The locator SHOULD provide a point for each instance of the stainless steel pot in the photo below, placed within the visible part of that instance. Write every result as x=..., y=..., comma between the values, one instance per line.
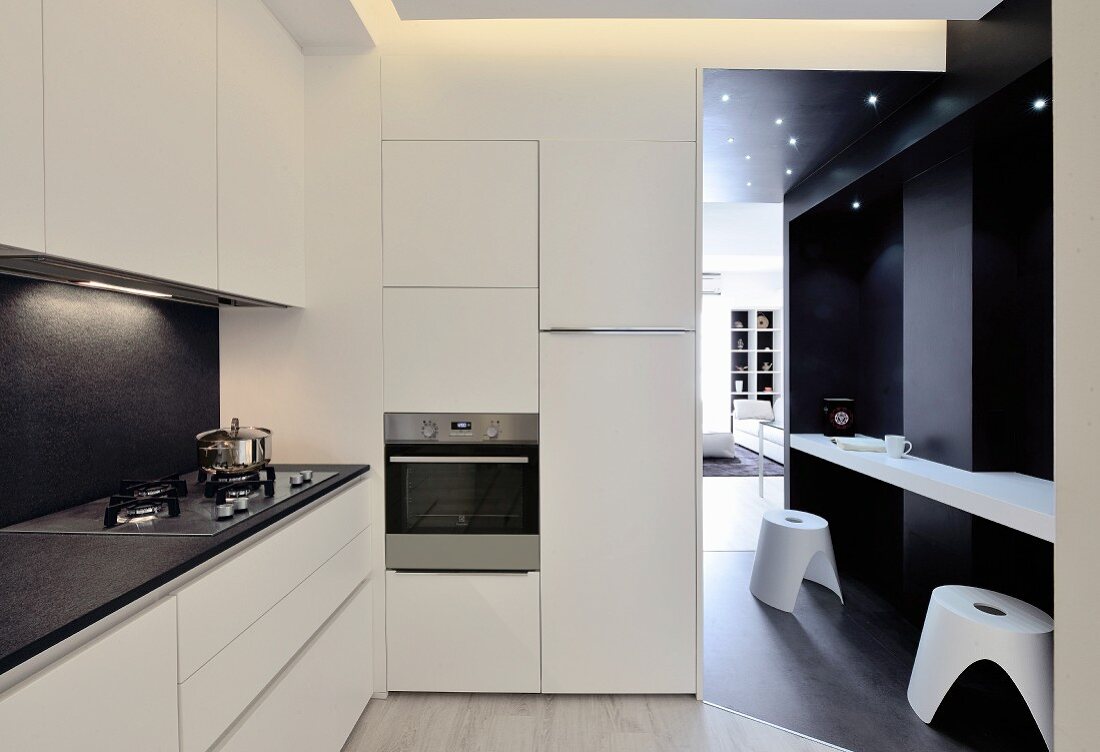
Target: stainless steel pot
x=234, y=449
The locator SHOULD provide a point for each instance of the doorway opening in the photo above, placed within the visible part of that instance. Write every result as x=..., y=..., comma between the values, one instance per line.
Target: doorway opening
x=832, y=670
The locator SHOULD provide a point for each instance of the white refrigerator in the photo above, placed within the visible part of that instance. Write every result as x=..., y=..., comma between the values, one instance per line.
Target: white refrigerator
x=618, y=407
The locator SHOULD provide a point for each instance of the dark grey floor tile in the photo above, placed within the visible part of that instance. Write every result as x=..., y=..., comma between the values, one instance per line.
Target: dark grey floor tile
x=839, y=673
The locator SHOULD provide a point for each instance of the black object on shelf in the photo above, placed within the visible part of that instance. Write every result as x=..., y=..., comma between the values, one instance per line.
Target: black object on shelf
x=840, y=418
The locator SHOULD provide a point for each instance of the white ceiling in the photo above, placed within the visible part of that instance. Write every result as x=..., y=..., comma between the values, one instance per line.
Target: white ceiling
x=808, y=9
x=321, y=26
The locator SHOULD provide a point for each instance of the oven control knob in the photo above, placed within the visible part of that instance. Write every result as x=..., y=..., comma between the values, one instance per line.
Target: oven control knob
x=429, y=429
x=492, y=431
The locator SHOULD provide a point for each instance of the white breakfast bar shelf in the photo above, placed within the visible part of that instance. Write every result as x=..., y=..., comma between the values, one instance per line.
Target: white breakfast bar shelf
x=1020, y=502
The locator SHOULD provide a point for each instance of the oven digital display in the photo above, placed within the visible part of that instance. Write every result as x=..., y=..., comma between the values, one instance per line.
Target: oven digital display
x=462, y=425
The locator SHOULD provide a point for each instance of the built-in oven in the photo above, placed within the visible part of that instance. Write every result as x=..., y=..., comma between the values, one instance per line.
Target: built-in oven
x=462, y=492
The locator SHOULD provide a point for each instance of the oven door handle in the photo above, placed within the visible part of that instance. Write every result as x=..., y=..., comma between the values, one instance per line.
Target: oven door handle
x=476, y=460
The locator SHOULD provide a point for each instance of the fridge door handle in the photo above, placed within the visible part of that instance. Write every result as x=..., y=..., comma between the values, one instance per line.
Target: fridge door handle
x=617, y=330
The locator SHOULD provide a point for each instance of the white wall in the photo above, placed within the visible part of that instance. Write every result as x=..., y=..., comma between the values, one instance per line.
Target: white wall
x=743, y=242
x=314, y=375
x=743, y=229
x=1076, y=374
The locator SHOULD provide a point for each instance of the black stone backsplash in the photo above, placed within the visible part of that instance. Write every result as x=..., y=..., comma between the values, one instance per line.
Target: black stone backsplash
x=97, y=386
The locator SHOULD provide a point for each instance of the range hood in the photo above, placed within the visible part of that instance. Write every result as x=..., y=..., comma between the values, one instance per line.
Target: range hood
x=42, y=266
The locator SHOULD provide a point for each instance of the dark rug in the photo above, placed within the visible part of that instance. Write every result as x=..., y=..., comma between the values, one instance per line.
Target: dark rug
x=744, y=465
x=839, y=672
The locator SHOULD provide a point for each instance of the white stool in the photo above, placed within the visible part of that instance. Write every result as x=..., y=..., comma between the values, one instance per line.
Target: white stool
x=967, y=624
x=792, y=546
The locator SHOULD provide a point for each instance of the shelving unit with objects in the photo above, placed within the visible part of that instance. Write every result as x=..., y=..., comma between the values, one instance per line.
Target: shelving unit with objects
x=756, y=353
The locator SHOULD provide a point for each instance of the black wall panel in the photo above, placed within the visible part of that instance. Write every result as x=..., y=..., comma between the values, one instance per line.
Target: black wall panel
x=845, y=315
x=939, y=227
x=880, y=379
x=96, y=387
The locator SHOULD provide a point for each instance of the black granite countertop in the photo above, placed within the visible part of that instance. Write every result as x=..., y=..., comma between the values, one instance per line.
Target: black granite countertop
x=54, y=585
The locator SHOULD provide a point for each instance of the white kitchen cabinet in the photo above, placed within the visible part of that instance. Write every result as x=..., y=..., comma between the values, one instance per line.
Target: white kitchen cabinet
x=458, y=350
x=617, y=512
x=316, y=702
x=22, y=212
x=130, y=135
x=115, y=694
x=617, y=234
x=221, y=604
x=261, y=155
x=462, y=632
x=215, y=695
x=460, y=213
x=564, y=97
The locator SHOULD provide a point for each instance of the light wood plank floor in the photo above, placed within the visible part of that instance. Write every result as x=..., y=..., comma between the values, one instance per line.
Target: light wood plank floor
x=426, y=722
x=732, y=511
x=408, y=722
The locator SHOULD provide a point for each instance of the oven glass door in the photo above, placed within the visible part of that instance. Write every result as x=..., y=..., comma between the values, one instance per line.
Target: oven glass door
x=462, y=489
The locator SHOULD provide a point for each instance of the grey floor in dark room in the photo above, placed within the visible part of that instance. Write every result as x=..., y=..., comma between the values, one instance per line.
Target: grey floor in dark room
x=839, y=673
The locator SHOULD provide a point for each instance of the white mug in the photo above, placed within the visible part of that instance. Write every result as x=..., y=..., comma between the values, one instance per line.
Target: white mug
x=897, y=447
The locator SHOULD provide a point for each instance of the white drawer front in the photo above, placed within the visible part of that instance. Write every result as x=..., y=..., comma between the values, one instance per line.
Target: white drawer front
x=475, y=632
x=217, y=693
x=115, y=693
x=314, y=705
x=218, y=606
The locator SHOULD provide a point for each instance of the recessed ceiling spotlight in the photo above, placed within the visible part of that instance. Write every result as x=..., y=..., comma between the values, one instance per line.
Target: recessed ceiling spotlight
x=779, y=121
x=790, y=171
x=748, y=156
x=1039, y=104
x=872, y=100
x=749, y=184
x=856, y=205
x=792, y=141
x=725, y=97
x=729, y=140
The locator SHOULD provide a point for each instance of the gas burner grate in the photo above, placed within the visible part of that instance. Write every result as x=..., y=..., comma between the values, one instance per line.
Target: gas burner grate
x=223, y=486
x=137, y=499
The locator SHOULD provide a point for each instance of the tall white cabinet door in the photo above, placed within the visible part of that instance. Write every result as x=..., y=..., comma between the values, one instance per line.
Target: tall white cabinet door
x=617, y=234
x=131, y=173
x=617, y=512
x=460, y=213
x=460, y=350
x=22, y=213
x=261, y=155
x=118, y=692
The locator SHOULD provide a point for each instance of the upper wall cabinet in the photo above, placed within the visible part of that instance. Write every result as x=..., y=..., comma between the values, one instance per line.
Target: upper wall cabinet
x=261, y=155
x=460, y=213
x=471, y=97
x=22, y=216
x=130, y=134
x=617, y=238
x=460, y=350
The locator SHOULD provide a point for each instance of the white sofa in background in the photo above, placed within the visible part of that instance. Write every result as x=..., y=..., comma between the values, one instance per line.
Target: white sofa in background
x=748, y=414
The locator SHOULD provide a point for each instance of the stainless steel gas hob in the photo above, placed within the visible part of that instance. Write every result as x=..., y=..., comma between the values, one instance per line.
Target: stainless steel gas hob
x=194, y=504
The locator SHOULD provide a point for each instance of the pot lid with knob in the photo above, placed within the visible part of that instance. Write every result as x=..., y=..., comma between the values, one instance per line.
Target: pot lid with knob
x=234, y=433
